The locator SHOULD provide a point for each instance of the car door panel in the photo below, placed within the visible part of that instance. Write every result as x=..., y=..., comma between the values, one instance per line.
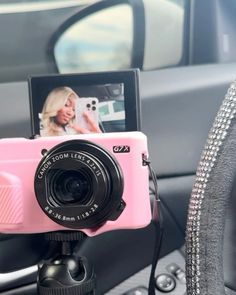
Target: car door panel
x=178, y=108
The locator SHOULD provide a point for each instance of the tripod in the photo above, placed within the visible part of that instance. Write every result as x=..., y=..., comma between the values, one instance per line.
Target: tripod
x=66, y=274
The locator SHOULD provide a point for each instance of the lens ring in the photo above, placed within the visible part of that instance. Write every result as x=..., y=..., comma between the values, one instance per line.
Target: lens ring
x=98, y=183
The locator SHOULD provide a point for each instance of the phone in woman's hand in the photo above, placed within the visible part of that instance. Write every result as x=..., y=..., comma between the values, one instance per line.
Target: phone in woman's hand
x=88, y=106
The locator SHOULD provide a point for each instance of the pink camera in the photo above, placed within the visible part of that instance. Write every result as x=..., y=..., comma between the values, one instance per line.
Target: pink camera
x=93, y=183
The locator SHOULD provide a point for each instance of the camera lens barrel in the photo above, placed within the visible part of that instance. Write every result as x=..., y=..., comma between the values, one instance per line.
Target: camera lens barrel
x=79, y=184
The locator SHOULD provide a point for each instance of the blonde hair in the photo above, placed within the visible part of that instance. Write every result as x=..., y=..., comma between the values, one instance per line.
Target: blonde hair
x=55, y=100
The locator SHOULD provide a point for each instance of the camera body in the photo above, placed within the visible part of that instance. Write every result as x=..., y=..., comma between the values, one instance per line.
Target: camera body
x=93, y=183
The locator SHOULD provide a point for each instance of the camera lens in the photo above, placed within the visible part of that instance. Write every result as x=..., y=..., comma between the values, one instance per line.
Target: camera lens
x=71, y=187
x=79, y=184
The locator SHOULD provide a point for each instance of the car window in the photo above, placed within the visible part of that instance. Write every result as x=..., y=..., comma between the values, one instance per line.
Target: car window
x=164, y=34
x=104, y=40
x=97, y=42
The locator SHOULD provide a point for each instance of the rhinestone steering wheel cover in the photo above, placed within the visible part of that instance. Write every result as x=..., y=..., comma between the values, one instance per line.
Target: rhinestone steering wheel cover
x=209, y=203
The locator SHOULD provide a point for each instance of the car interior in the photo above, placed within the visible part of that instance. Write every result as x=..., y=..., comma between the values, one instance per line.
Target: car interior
x=186, y=55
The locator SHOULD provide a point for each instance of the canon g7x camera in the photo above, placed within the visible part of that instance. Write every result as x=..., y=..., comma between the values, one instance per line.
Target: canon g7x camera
x=93, y=183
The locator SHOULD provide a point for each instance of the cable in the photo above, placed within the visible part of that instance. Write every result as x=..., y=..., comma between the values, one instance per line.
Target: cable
x=157, y=220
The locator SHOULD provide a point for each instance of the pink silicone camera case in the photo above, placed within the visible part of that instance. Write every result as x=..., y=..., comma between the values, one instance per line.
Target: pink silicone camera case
x=19, y=158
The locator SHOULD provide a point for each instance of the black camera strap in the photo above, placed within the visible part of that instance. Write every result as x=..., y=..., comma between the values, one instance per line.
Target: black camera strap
x=157, y=220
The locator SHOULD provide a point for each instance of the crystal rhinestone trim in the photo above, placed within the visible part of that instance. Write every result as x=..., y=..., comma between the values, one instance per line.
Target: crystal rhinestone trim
x=208, y=160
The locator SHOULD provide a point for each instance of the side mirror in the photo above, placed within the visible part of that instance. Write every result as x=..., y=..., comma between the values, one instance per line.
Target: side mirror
x=121, y=34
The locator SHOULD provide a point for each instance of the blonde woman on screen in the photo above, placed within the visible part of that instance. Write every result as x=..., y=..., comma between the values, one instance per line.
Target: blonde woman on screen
x=58, y=114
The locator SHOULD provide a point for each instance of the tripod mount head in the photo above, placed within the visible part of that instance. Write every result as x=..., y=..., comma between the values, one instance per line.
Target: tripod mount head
x=67, y=273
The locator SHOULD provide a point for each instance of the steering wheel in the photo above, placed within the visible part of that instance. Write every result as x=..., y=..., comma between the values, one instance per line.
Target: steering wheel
x=211, y=224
